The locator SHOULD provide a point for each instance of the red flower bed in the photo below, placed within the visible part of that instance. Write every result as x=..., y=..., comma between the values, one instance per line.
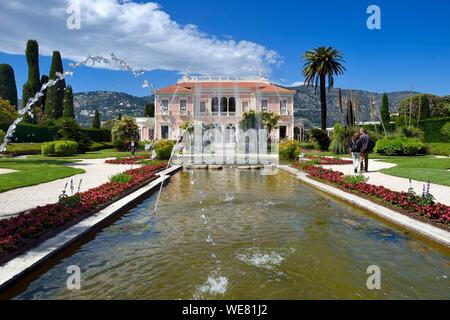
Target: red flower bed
x=329, y=161
x=16, y=230
x=410, y=202
x=128, y=160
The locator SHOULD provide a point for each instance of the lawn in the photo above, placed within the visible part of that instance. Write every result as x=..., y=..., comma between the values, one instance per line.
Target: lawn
x=105, y=153
x=425, y=168
x=421, y=168
x=32, y=172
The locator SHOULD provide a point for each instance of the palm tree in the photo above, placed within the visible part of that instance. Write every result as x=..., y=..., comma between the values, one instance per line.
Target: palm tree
x=322, y=63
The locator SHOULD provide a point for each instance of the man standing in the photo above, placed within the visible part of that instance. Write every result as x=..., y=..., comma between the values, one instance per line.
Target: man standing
x=365, y=144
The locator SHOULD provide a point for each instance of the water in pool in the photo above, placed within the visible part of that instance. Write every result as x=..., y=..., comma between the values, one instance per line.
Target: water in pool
x=235, y=234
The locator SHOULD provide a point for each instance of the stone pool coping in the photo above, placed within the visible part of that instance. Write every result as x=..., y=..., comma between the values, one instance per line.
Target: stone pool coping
x=17, y=267
x=424, y=229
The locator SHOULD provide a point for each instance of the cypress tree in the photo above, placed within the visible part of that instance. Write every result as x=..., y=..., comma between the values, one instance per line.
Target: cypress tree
x=32, y=86
x=69, y=110
x=8, y=89
x=119, y=116
x=425, y=112
x=149, y=110
x=44, y=79
x=385, y=115
x=96, y=120
x=54, y=100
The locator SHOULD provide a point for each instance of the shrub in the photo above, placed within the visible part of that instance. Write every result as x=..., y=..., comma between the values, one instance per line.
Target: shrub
x=123, y=132
x=307, y=145
x=320, y=139
x=355, y=179
x=437, y=148
x=410, y=132
x=433, y=128
x=59, y=148
x=289, y=149
x=163, y=149
x=2, y=136
x=446, y=130
x=121, y=178
x=69, y=129
x=400, y=146
x=342, y=138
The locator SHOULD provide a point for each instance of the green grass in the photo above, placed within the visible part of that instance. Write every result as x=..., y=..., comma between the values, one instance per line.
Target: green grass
x=426, y=168
x=33, y=172
x=105, y=153
x=16, y=149
x=121, y=178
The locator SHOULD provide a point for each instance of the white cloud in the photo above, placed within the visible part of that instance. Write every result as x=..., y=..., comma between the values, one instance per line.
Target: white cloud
x=140, y=33
x=297, y=84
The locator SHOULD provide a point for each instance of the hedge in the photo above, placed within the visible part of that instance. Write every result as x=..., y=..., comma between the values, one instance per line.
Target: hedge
x=26, y=132
x=400, y=146
x=432, y=129
x=59, y=148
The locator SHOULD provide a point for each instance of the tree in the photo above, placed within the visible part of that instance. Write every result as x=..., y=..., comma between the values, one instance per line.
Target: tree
x=69, y=110
x=7, y=112
x=44, y=79
x=149, y=110
x=96, y=120
x=321, y=64
x=270, y=121
x=124, y=131
x=385, y=115
x=55, y=94
x=119, y=116
x=8, y=89
x=69, y=129
x=425, y=112
x=251, y=120
x=33, y=84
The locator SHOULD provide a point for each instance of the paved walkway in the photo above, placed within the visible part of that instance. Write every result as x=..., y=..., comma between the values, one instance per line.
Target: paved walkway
x=441, y=193
x=18, y=200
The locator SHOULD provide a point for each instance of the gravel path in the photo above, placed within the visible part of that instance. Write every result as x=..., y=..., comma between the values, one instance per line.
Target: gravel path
x=18, y=200
x=3, y=171
x=441, y=193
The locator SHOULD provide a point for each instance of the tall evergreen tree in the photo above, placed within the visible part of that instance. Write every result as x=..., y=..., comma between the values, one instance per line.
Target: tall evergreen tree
x=69, y=110
x=55, y=95
x=8, y=89
x=44, y=79
x=119, y=116
x=96, y=120
x=425, y=112
x=385, y=114
x=149, y=110
x=33, y=84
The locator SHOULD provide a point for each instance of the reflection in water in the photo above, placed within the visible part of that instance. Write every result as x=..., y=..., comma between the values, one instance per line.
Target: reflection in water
x=238, y=235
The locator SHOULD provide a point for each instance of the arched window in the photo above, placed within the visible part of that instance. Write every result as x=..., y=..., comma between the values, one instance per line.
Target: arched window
x=215, y=104
x=223, y=105
x=232, y=105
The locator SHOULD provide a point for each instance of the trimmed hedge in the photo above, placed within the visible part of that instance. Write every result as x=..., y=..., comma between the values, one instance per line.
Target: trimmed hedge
x=59, y=148
x=289, y=149
x=26, y=132
x=400, y=146
x=163, y=149
x=432, y=129
x=98, y=135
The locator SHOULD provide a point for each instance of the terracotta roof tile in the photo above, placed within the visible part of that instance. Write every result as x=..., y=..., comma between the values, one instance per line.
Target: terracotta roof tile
x=189, y=87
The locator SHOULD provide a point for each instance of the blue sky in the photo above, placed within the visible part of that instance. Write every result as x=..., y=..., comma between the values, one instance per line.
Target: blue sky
x=413, y=44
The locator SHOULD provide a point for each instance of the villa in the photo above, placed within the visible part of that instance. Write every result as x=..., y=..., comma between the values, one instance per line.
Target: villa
x=221, y=101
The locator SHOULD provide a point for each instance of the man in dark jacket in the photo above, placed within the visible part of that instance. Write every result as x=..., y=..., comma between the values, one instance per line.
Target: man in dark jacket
x=365, y=144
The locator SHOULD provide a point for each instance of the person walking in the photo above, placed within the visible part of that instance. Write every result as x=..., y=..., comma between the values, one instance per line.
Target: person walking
x=133, y=148
x=355, y=151
x=366, y=145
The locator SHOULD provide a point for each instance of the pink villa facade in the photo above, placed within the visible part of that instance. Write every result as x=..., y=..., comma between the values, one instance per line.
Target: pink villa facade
x=220, y=101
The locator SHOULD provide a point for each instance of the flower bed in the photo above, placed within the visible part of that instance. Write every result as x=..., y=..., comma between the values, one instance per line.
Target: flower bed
x=27, y=225
x=128, y=160
x=407, y=201
x=328, y=160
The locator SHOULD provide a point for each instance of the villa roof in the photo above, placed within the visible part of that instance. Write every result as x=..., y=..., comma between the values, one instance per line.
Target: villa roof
x=190, y=87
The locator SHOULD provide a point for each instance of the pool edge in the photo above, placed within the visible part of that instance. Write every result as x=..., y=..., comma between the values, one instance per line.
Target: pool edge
x=431, y=232
x=14, y=269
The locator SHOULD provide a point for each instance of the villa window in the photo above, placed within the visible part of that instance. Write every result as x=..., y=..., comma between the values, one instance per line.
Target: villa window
x=183, y=105
x=232, y=105
x=223, y=105
x=202, y=106
x=164, y=132
x=244, y=106
x=283, y=106
x=264, y=105
x=215, y=105
x=165, y=104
